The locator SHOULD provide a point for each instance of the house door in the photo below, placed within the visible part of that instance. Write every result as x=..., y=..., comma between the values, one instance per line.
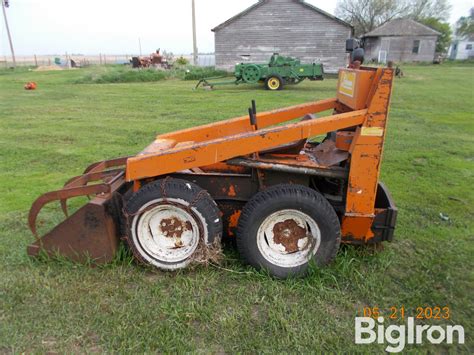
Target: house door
x=384, y=50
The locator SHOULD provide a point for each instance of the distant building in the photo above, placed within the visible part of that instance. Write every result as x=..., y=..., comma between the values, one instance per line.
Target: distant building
x=462, y=49
x=401, y=40
x=289, y=27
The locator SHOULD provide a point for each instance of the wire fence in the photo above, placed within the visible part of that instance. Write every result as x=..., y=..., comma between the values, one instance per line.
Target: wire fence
x=71, y=60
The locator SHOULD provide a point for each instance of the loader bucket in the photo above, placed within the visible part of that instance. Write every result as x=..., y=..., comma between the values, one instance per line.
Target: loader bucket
x=91, y=234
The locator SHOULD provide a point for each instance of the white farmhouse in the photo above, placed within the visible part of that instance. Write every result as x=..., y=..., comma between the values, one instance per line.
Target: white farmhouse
x=462, y=49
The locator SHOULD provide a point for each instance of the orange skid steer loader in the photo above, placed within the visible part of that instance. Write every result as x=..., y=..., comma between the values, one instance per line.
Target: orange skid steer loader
x=287, y=199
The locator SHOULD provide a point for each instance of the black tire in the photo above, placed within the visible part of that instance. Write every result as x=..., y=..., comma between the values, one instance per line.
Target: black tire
x=278, y=199
x=189, y=210
x=274, y=82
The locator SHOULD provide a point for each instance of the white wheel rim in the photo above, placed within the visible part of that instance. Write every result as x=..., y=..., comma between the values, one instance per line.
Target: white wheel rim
x=288, y=238
x=167, y=233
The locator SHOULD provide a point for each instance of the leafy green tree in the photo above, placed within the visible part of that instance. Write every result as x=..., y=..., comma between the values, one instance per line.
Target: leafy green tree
x=444, y=28
x=465, y=26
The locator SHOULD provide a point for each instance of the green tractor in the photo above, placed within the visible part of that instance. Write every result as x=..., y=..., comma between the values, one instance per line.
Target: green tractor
x=279, y=72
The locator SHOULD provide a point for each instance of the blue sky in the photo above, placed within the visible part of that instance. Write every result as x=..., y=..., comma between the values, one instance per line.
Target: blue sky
x=114, y=26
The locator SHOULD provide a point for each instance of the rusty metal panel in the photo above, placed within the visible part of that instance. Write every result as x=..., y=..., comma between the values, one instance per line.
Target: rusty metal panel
x=90, y=234
x=231, y=211
x=236, y=187
x=327, y=154
x=291, y=166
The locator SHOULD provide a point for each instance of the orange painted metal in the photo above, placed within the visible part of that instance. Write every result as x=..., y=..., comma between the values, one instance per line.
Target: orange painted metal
x=227, y=147
x=357, y=226
x=366, y=155
x=233, y=222
x=354, y=87
x=365, y=94
x=159, y=145
x=242, y=124
x=344, y=140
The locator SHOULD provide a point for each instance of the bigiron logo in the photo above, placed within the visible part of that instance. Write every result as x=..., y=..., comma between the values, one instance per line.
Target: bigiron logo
x=368, y=331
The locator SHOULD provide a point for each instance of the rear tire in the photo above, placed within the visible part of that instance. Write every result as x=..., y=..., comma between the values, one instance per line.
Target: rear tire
x=284, y=228
x=168, y=221
x=274, y=83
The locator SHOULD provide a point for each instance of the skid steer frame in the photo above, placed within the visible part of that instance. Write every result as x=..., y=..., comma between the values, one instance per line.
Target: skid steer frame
x=235, y=159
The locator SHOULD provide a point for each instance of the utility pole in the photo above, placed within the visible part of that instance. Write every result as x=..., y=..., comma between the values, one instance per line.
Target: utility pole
x=195, y=49
x=140, y=45
x=4, y=5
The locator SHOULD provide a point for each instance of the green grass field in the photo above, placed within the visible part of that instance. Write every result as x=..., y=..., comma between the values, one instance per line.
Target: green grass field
x=53, y=133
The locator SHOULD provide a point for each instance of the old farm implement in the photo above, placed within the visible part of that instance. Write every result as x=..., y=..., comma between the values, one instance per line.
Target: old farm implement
x=277, y=73
x=286, y=198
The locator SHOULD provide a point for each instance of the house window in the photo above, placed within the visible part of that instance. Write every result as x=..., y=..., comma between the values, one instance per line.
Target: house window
x=416, y=47
x=468, y=47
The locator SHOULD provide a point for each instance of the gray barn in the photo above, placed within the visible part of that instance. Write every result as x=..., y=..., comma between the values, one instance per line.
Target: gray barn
x=401, y=40
x=289, y=27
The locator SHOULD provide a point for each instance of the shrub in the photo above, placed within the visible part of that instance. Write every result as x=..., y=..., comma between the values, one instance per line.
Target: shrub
x=198, y=73
x=182, y=61
x=123, y=75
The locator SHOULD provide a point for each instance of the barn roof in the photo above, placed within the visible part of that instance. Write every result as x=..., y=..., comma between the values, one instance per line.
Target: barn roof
x=262, y=2
x=402, y=27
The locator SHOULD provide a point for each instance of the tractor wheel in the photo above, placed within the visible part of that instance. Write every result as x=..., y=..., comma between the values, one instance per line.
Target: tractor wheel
x=274, y=82
x=169, y=222
x=284, y=228
x=251, y=74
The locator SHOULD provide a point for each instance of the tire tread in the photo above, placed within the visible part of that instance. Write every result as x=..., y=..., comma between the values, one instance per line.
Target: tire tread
x=281, y=192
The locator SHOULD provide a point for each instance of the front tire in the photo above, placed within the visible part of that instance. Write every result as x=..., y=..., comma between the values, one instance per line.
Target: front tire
x=286, y=227
x=169, y=222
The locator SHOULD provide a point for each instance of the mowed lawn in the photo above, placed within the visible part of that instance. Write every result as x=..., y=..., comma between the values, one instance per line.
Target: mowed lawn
x=53, y=133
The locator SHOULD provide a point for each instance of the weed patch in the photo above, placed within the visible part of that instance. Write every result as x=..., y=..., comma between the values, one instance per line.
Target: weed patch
x=123, y=75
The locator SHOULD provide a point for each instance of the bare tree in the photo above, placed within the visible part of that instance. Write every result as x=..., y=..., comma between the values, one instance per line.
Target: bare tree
x=423, y=9
x=366, y=15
